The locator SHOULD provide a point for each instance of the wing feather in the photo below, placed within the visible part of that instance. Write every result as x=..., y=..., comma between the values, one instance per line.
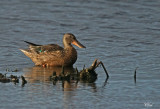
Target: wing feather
x=43, y=48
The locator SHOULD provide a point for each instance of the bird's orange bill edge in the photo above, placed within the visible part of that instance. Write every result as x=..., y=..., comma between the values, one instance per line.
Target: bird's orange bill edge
x=78, y=44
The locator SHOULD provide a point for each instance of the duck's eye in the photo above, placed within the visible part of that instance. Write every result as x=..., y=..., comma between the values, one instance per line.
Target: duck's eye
x=73, y=37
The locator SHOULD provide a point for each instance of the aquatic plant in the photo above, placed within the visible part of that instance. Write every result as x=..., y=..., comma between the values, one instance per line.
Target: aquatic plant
x=86, y=75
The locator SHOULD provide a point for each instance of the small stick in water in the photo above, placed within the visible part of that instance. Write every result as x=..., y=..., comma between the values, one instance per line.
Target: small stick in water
x=83, y=67
x=96, y=64
x=77, y=72
x=62, y=72
x=23, y=80
x=105, y=70
x=135, y=74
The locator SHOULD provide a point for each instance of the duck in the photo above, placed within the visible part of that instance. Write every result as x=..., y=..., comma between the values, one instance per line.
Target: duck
x=53, y=54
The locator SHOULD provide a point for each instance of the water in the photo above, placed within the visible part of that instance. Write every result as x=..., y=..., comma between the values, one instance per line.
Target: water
x=122, y=34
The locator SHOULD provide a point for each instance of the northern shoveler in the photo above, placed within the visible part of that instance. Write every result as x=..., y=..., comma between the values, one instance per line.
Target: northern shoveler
x=53, y=54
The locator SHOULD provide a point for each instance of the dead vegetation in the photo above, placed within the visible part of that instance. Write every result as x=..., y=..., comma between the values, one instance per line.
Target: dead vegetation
x=86, y=74
x=11, y=78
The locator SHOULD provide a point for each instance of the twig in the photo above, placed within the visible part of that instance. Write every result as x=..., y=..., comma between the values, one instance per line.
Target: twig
x=105, y=69
x=83, y=67
x=62, y=72
x=23, y=80
x=94, y=63
x=105, y=82
x=135, y=74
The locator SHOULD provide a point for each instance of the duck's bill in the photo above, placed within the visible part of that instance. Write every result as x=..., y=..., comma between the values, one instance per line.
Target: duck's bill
x=78, y=44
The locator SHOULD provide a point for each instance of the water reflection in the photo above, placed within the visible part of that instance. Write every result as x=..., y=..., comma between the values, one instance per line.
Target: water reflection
x=38, y=74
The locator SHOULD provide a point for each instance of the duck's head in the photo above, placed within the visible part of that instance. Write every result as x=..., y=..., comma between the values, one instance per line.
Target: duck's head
x=69, y=39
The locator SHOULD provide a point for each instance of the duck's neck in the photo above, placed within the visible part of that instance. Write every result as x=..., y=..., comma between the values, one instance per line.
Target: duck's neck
x=66, y=45
x=69, y=48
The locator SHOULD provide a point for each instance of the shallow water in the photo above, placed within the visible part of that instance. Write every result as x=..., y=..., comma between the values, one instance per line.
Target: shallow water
x=122, y=34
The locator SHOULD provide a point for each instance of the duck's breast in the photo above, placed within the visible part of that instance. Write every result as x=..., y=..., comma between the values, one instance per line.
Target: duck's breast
x=70, y=56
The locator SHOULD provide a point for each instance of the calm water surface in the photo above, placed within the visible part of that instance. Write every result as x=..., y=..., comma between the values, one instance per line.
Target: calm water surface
x=122, y=34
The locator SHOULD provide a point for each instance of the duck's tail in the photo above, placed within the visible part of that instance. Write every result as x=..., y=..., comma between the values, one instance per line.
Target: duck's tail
x=27, y=52
x=32, y=47
x=31, y=44
x=23, y=50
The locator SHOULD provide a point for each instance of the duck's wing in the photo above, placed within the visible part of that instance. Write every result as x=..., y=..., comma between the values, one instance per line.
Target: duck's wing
x=50, y=48
x=43, y=48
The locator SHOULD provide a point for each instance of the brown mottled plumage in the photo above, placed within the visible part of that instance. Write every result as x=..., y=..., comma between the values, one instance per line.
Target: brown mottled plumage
x=53, y=54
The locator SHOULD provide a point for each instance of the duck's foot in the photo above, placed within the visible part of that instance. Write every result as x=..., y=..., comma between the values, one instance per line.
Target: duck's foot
x=44, y=65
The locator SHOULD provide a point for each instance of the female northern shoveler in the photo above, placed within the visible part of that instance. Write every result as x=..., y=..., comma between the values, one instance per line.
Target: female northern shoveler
x=53, y=54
